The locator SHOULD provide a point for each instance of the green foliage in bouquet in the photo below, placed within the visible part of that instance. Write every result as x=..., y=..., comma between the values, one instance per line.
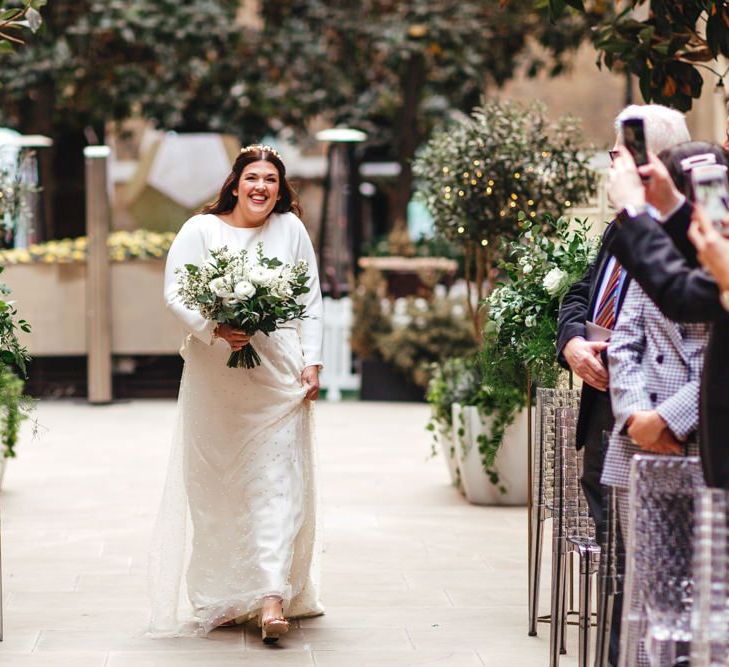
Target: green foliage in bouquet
x=250, y=295
x=479, y=174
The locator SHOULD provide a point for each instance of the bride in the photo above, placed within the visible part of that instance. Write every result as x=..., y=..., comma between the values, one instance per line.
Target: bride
x=235, y=535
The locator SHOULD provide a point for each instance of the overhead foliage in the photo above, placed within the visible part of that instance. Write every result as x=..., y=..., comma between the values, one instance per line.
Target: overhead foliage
x=667, y=51
x=13, y=20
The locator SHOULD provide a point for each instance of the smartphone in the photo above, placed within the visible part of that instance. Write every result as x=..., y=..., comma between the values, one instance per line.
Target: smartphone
x=634, y=139
x=711, y=192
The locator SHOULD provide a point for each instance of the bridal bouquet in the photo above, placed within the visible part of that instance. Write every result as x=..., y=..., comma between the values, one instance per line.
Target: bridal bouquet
x=249, y=293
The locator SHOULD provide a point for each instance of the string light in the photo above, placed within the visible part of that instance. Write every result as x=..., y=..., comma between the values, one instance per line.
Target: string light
x=476, y=163
x=484, y=242
x=517, y=175
x=448, y=188
x=473, y=181
x=479, y=173
x=489, y=191
x=502, y=213
x=461, y=230
x=513, y=196
x=532, y=215
x=512, y=204
x=466, y=175
x=568, y=203
x=530, y=202
x=491, y=182
x=445, y=170
x=461, y=193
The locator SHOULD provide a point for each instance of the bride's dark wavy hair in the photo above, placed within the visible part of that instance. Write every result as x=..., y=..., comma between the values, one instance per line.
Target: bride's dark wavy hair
x=226, y=200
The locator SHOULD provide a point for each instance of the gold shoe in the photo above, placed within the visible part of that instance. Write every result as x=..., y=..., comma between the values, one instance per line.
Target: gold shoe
x=273, y=624
x=273, y=628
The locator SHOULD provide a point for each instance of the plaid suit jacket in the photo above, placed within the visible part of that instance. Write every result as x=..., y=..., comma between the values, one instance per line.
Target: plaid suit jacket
x=655, y=364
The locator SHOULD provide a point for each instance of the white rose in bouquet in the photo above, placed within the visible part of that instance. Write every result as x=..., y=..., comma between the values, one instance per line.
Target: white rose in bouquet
x=244, y=289
x=260, y=275
x=554, y=281
x=219, y=287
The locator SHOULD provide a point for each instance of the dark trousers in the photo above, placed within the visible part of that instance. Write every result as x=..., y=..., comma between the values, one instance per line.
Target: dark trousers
x=599, y=420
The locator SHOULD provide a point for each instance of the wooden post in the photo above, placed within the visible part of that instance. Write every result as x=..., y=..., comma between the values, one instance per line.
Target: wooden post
x=98, y=283
x=530, y=481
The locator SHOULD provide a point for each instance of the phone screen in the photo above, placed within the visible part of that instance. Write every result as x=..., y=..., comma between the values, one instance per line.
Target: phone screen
x=634, y=139
x=712, y=194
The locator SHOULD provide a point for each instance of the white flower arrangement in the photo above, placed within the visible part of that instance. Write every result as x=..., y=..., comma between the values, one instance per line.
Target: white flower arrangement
x=249, y=294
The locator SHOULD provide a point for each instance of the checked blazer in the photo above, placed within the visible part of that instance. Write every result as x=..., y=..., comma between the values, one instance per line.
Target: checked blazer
x=655, y=364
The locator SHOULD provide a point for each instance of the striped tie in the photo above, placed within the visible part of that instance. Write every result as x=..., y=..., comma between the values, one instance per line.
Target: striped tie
x=607, y=310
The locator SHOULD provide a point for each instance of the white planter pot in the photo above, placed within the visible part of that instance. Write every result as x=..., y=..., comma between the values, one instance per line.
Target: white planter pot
x=510, y=463
x=3, y=464
x=447, y=446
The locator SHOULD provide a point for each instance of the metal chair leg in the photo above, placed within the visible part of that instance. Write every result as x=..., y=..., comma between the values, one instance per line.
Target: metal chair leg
x=1, y=586
x=558, y=606
x=585, y=609
x=537, y=543
x=566, y=570
x=604, y=624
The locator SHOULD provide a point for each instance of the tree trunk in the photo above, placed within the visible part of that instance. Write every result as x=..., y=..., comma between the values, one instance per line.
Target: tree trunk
x=413, y=82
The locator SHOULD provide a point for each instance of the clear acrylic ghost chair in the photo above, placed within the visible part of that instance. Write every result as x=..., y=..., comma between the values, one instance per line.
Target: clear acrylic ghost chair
x=710, y=612
x=610, y=578
x=543, y=485
x=656, y=624
x=573, y=530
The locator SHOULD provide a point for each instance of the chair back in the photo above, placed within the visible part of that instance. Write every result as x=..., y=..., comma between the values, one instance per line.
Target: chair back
x=545, y=442
x=571, y=512
x=658, y=581
x=710, y=612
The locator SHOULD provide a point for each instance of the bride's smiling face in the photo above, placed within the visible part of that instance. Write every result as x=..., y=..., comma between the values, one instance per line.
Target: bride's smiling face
x=257, y=191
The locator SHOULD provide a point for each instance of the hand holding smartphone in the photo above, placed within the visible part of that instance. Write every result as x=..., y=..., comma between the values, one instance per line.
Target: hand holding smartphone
x=634, y=139
x=711, y=192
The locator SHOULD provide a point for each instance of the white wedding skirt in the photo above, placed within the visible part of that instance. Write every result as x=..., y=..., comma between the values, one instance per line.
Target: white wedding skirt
x=238, y=515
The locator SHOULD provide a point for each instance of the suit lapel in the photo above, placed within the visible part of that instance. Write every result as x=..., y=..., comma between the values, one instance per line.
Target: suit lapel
x=674, y=333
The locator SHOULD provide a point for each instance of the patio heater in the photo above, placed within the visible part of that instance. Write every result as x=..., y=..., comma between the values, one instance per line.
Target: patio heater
x=340, y=230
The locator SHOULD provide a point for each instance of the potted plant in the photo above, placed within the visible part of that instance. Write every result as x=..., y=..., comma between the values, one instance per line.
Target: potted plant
x=480, y=172
x=456, y=380
x=483, y=179
x=399, y=340
x=13, y=405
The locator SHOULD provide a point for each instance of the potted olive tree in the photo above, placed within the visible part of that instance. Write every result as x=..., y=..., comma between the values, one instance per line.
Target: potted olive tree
x=483, y=179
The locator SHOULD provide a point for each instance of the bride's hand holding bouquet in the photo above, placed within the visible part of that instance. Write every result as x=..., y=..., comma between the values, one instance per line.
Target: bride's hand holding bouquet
x=244, y=295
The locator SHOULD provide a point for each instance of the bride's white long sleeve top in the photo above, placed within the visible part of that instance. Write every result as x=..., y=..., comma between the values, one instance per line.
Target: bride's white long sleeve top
x=283, y=236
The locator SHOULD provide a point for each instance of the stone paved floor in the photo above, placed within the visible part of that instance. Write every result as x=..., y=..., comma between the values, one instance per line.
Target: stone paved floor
x=412, y=574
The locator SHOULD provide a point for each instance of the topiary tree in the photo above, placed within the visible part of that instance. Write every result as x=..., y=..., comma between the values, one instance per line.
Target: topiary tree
x=478, y=174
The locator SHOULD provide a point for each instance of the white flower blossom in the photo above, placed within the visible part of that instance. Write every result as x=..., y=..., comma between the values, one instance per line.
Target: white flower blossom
x=219, y=287
x=530, y=320
x=244, y=289
x=528, y=268
x=554, y=281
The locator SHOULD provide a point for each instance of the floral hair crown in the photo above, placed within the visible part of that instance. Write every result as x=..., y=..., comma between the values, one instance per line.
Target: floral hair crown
x=262, y=148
